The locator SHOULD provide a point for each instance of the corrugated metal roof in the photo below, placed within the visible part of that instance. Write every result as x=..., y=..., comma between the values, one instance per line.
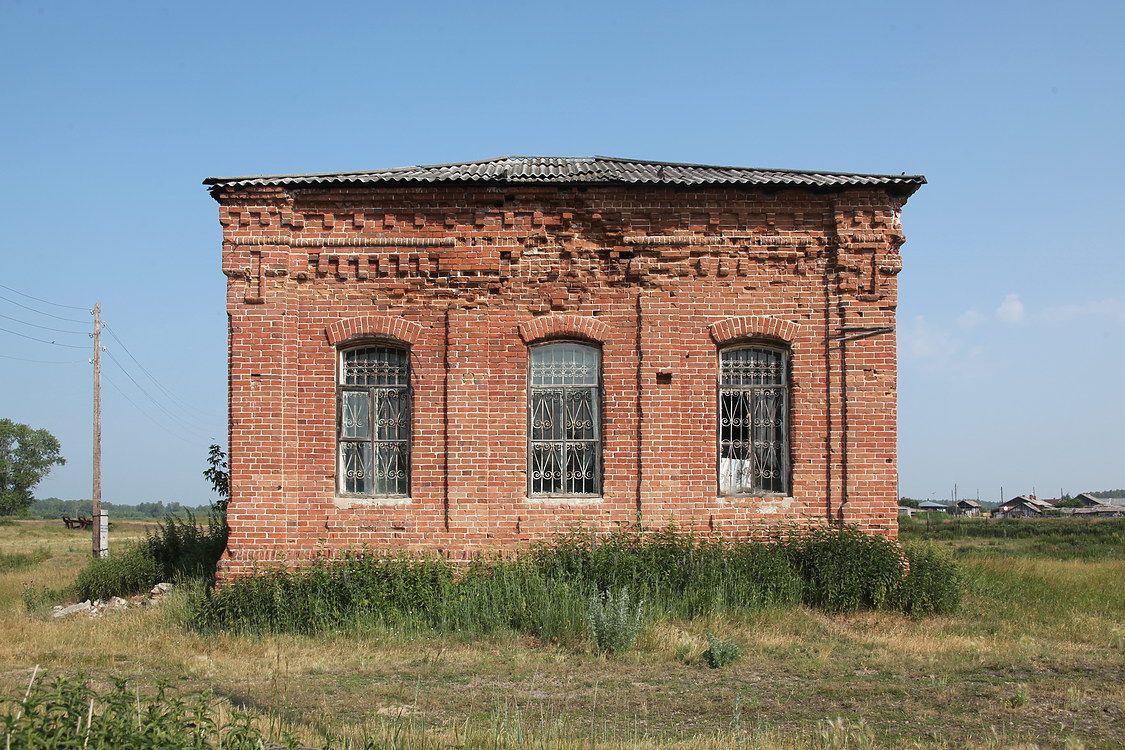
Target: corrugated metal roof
x=590, y=170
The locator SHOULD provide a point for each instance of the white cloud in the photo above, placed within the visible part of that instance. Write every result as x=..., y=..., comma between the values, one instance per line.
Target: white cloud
x=1011, y=309
x=922, y=341
x=970, y=319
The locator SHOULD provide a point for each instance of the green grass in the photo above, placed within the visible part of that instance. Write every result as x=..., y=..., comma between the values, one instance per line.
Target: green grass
x=178, y=549
x=1033, y=657
x=550, y=591
x=11, y=562
x=1050, y=538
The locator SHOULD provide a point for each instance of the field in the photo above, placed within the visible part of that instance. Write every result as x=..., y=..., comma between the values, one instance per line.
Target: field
x=1035, y=659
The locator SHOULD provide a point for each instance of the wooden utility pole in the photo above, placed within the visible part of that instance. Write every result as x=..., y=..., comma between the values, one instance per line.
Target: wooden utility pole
x=96, y=497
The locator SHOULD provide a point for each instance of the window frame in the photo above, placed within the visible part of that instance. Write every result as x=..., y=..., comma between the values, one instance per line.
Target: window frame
x=599, y=440
x=408, y=390
x=787, y=457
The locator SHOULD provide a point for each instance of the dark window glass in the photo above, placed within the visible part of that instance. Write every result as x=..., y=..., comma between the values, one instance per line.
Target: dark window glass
x=373, y=432
x=564, y=420
x=753, y=421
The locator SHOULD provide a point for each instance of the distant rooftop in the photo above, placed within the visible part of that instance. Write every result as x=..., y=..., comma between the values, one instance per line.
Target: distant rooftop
x=584, y=170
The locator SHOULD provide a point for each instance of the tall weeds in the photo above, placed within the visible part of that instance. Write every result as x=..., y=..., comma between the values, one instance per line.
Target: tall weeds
x=546, y=591
x=179, y=549
x=71, y=713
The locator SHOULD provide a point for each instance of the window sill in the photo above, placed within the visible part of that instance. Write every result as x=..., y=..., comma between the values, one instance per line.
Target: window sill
x=563, y=499
x=763, y=503
x=346, y=502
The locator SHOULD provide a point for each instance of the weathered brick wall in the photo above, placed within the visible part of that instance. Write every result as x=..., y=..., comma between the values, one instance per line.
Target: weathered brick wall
x=467, y=276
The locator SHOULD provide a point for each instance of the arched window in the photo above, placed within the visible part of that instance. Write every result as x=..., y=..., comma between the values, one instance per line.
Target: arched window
x=753, y=421
x=564, y=420
x=373, y=428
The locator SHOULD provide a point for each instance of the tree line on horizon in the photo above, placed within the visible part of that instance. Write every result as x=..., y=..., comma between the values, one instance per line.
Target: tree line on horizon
x=54, y=507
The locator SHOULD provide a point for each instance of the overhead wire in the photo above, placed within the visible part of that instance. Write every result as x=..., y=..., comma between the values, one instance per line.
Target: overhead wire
x=44, y=301
x=45, y=328
x=40, y=312
x=187, y=422
x=181, y=423
x=199, y=428
x=148, y=416
x=42, y=341
x=48, y=361
x=184, y=405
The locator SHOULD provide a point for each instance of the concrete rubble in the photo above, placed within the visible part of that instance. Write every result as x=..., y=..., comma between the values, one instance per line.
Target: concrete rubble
x=98, y=607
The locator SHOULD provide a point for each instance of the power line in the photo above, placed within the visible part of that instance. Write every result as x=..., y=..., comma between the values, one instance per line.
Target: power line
x=48, y=361
x=40, y=312
x=145, y=413
x=112, y=332
x=182, y=422
x=44, y=301
x=45, y=328
x=179, y=420
x=41, y=341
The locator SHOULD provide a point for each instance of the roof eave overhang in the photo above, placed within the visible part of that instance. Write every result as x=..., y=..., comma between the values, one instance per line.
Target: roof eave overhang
x=905, y=186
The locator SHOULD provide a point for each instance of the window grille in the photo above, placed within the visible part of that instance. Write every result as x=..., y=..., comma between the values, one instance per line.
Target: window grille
x=564, y=420
x=373, y=433
x=753, y=421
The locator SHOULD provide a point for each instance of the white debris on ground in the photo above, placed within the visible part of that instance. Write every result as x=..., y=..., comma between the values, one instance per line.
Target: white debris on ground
x=98, y=607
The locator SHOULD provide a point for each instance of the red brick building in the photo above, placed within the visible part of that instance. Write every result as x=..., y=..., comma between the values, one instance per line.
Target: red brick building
x=474, y=356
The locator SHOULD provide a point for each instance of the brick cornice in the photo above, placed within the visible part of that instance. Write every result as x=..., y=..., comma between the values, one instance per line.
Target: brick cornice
x=749, y=326
x=558, y=326
x=386, y=326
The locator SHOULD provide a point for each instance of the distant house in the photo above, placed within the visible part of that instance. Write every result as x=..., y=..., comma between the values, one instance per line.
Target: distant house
x=1101, y=511
x=1089, y=501
x=1023, y=506
x=1100, y=507
x=968, y=507
x=929, y=506
x=906, y=510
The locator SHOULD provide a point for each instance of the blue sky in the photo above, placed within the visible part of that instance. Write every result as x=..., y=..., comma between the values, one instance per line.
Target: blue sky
x=1012, y=315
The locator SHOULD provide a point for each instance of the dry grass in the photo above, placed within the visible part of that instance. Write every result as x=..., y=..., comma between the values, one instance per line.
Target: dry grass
x=1036, y=659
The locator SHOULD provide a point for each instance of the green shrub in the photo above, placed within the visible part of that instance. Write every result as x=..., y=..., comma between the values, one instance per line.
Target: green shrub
x=614, y=620
x=329, y=595
x=556, y=591
x=846, y=570
x=513, y=595
x=934, y=585
x=180, y=549
x=676, y=574
x=184, y=548
x=720, y=653
x=59, y=714
x=132, y=572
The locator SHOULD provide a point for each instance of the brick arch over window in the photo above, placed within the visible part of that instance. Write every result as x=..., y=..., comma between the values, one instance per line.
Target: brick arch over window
x=373, y=325
x=561, y=326
x=750, y=326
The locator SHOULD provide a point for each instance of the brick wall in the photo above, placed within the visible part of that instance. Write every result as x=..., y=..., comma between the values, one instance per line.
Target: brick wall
x=468, y=276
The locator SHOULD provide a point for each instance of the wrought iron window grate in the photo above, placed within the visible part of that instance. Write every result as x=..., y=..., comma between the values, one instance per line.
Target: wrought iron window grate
x=564, y=420
x=753, y=421
x=373, y=404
